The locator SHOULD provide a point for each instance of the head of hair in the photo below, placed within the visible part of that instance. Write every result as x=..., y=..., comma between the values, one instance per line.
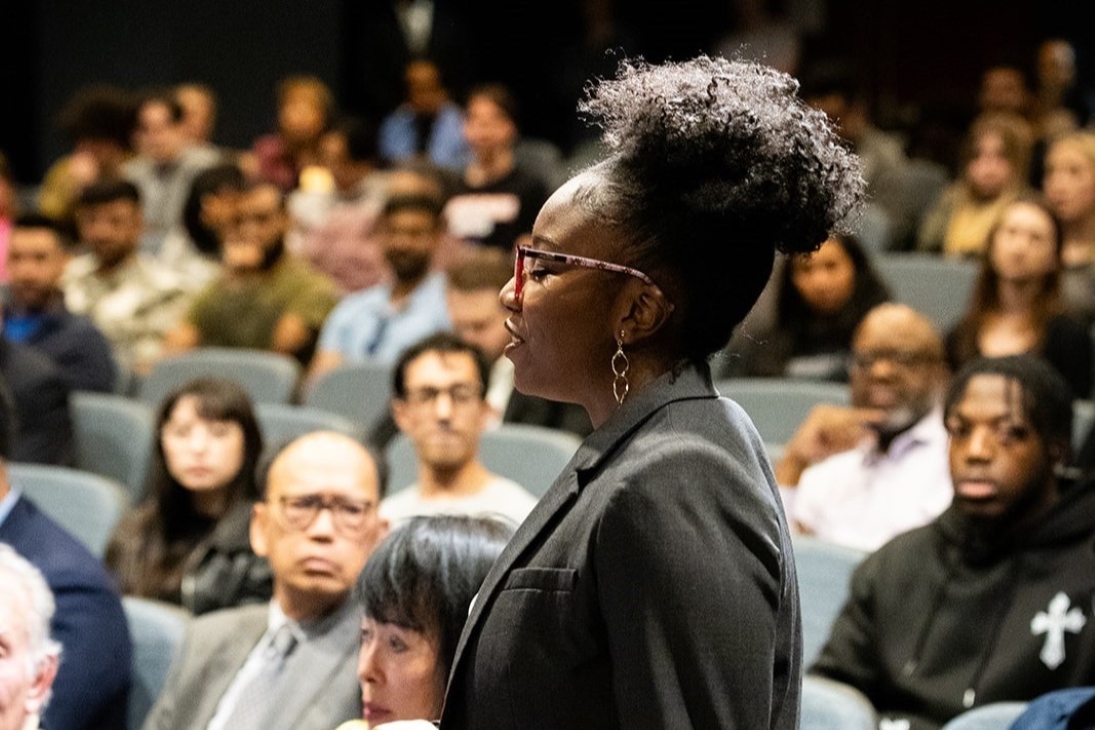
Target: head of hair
x=274, y=452
x=1082, y=140
x=832, y=77
x=484, y=267
x=99, y=111
x=361, y=135
x=424, y=575
x=18, y=572
x=500, y=95
x=313, y=85
x=102, y=192
x=1013, y=130
x=1046, y=395
x=420, y=202
x=715, y=166
x=442, y=343
x=985, y=298
x=215, y=399
x=219, y=177
x=62, y=229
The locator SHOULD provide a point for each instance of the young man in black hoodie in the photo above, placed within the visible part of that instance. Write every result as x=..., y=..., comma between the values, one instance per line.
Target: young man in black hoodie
x=992, y=601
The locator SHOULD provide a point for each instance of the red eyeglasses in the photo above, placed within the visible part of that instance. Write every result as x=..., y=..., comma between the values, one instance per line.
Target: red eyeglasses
x=524, y=252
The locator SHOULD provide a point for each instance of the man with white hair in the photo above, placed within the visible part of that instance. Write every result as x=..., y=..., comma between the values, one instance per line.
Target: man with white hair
x=28, y=656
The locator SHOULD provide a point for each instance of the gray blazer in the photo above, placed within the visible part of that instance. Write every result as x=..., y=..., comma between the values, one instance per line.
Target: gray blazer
x=652, y=586
x=319, y=688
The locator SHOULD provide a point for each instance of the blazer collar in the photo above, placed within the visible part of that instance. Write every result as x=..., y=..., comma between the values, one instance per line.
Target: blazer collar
x=684, y=382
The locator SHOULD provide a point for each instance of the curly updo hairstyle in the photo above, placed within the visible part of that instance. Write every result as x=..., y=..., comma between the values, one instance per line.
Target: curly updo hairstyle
x=714, y=166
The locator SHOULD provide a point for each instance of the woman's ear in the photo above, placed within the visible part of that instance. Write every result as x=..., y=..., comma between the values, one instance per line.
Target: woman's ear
x=648, y=311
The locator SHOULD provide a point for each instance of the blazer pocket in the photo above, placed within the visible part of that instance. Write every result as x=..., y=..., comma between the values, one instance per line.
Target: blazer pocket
x=542, y=579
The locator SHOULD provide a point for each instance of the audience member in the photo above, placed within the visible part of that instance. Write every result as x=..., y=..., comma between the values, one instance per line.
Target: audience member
x=305, y=108
x=34, y=306
x=437, y=402
x=416, y=590
x=1069, y=187
x=1004, y=89
x=165, y=165
x=867, y=473
x=1016, y=304
x=29, y=657
x=1058, y=104
x=995, y=168
x=193, y=248
x=820, y=298
x=9, y=211
x=991, y=601
x=763, y=31
x=288, y=665
x=497, y=199
x=91, y=689
x=428, y=124
x=266, y=298
x=200, y=107
x=381, y=321
x=188, y=542
x=98, y=121
x=132, y=298
x=42, y=422
x=338, y=228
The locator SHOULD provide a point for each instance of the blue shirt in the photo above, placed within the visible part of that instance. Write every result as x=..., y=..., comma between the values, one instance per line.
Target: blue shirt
x=366, y=326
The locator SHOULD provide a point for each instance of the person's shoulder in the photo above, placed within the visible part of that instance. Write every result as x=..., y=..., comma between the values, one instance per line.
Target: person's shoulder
x=157, y=275
x=505, y=487
x=24, y=366
x=79, y=268
x=227, y=622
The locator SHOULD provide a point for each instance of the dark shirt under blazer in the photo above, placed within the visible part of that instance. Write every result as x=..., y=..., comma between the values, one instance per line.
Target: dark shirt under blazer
x=652, y=586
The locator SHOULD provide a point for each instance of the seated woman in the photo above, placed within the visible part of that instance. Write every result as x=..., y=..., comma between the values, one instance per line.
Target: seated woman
x=819, y=301
x=188, y=541
x=416, y=591
x=1069, y=187
x=1017, y=305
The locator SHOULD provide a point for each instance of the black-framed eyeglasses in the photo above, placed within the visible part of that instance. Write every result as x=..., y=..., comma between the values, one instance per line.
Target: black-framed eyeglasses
x=461, y=394
x=348, y=515
x=524, y=252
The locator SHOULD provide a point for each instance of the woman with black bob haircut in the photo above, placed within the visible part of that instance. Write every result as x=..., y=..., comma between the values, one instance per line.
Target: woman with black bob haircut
x=415, y=591
x=653, y=585
x=188, y=541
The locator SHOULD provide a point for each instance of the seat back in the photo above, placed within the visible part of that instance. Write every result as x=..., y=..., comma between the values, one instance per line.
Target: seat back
x=281, y=422
x=831, y=705
x=937, y=287
x=824, y=578
x=778, y=406
x=114, y=438
x=268, y=377
x=530, y=455
x=993, y=716
x=156, y=630
x=87, y=505
x=1083, y=418
x=360, y=391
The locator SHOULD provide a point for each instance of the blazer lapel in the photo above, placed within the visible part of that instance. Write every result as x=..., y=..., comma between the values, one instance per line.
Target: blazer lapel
x=225, y=661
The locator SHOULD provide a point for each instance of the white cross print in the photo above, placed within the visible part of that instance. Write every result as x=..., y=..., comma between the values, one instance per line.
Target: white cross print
x=1054, y=622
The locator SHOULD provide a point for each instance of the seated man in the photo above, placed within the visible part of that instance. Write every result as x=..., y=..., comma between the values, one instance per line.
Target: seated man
x=266, y=298
x=290, y=664
x=91, y=689
x=991, y=601
x=383, y=320
x=438, y=403
x=28, y=656
x=132, y=298
x=34, y=306
x=859, y=476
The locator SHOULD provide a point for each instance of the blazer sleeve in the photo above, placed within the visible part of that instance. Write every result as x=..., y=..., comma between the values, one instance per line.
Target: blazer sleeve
x=690, y=615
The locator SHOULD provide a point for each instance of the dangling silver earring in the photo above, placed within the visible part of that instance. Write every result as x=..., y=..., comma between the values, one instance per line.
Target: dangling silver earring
x=620, y=365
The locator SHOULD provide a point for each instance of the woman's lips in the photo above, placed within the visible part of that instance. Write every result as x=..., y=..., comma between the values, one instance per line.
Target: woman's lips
x=372, y=712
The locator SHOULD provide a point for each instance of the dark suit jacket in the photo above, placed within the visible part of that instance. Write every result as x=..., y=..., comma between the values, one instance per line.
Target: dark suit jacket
x=317, y=691
x=652, y=587
x=92, y=686
x=43, y=434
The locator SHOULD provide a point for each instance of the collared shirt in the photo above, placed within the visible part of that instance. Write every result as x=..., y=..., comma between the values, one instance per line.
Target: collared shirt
x=864, y=497
x=7, y=504
x=254, y=664
x=367, y=325
x=499, y=388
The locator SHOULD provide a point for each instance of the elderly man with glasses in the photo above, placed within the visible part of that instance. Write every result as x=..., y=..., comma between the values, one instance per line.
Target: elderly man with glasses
x=289, y=664
x=439, y=403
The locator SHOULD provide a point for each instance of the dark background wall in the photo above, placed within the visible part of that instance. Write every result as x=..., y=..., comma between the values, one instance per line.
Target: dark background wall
x=922, y=60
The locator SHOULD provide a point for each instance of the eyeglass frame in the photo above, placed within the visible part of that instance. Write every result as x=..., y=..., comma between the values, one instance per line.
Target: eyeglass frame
x=427, y=395
x=523, y=252
x=332, y=505
x=901, y=359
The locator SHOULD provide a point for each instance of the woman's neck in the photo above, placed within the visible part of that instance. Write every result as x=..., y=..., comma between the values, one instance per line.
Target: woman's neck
x=1018, y=296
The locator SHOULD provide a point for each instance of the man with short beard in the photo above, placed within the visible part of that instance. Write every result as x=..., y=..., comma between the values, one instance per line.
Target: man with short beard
x=861, y=475
x=383, y=320
x=266, y=298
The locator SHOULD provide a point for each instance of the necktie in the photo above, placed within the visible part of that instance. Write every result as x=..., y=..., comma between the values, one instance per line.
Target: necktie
x=257, y=697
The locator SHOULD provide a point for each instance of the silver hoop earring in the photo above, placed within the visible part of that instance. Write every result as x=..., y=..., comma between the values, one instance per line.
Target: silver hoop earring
x=620, y=365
